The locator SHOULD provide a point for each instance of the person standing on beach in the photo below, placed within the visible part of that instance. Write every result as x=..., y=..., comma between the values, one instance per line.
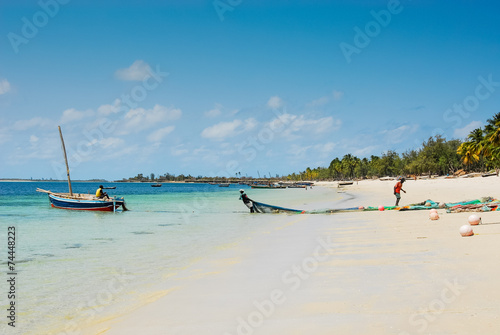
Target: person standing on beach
x=246, y=200
x=398, y=188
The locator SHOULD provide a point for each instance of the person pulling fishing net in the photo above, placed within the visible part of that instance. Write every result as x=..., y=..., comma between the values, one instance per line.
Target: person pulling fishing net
x=398, y=188
x=247, y=201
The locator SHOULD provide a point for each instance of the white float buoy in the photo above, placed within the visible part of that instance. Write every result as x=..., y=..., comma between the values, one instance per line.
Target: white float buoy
x=434, y=216
x=466, y=230
x=433, y=211
x=474, y=220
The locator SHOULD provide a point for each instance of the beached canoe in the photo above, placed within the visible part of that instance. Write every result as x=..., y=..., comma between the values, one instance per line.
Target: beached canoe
x=265, y=208
x=345, y=183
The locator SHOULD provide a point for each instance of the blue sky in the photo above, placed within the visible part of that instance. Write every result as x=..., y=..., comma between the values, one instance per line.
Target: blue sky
x=219, y=87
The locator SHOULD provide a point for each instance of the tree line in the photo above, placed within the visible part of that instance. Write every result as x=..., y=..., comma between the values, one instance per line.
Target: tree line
x=478, y=153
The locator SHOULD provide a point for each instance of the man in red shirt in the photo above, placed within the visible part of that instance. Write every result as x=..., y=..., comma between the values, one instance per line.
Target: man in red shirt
x=398, y=188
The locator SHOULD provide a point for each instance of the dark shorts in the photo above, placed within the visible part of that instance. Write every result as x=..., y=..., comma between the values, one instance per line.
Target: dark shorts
x=398, y=195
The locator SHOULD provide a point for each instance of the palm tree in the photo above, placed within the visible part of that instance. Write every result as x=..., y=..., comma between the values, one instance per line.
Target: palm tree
x=349, y=163
x=472, y=150
x=492, y=129
x=464, y=150
x=491, y=146
x=476, y=138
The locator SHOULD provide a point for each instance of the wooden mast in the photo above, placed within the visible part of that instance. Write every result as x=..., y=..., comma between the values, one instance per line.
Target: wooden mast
x=66, y=160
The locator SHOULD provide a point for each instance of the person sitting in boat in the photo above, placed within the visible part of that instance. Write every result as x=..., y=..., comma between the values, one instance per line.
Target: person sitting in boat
x=246, y=200
x=100, y=194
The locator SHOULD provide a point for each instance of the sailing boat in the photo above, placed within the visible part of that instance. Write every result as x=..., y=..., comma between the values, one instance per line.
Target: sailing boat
x=81, y=201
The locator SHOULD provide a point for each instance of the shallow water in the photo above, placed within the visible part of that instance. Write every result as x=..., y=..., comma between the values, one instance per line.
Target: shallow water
x=77, y=267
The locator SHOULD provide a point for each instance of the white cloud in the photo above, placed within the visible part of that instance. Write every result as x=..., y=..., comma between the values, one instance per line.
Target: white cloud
x=201, y=150
x=398, y=135
x=111, y=142
x=215, y=111
x=298, y=151
x=159, y=134
x=140, y=119
x=127, y=150
x=310, y=152
x=70, y=115
x=462, y=133
x=109, y=109
x=364, y=151
x=34, y=122
x=337, y=95
x=275, y=102
x=294, y=126
x=325, y=148
x=319, y=102
x=4, y=86
x=33, y=139
x=223, y=130
x=139, y=70
x=250, y=124
x=179, y=150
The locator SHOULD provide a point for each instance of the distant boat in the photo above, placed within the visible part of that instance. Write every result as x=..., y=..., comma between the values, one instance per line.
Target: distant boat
x=224, y=185
x=344, y=183
x=81, y=201
x=297, y=186
x=272, y=186
x=490, y=174
x=156, y=185
x=109, y=188
x=305, y=183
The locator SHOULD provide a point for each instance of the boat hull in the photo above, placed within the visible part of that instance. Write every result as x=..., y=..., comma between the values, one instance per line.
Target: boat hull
x=82, y=204
x=265, y=208
x=267, y=186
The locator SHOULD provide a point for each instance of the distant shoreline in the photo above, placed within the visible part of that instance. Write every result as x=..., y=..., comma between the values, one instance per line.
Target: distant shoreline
x=86, y=181
x=52, y=181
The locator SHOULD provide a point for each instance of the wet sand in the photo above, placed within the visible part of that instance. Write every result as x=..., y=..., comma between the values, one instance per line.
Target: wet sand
x=348, y=273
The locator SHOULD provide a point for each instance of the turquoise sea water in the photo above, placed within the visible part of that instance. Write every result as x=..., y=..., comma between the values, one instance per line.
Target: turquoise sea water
x=77, y=267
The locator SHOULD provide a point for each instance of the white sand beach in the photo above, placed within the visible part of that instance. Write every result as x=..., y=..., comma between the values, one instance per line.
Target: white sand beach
x=374, y=272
